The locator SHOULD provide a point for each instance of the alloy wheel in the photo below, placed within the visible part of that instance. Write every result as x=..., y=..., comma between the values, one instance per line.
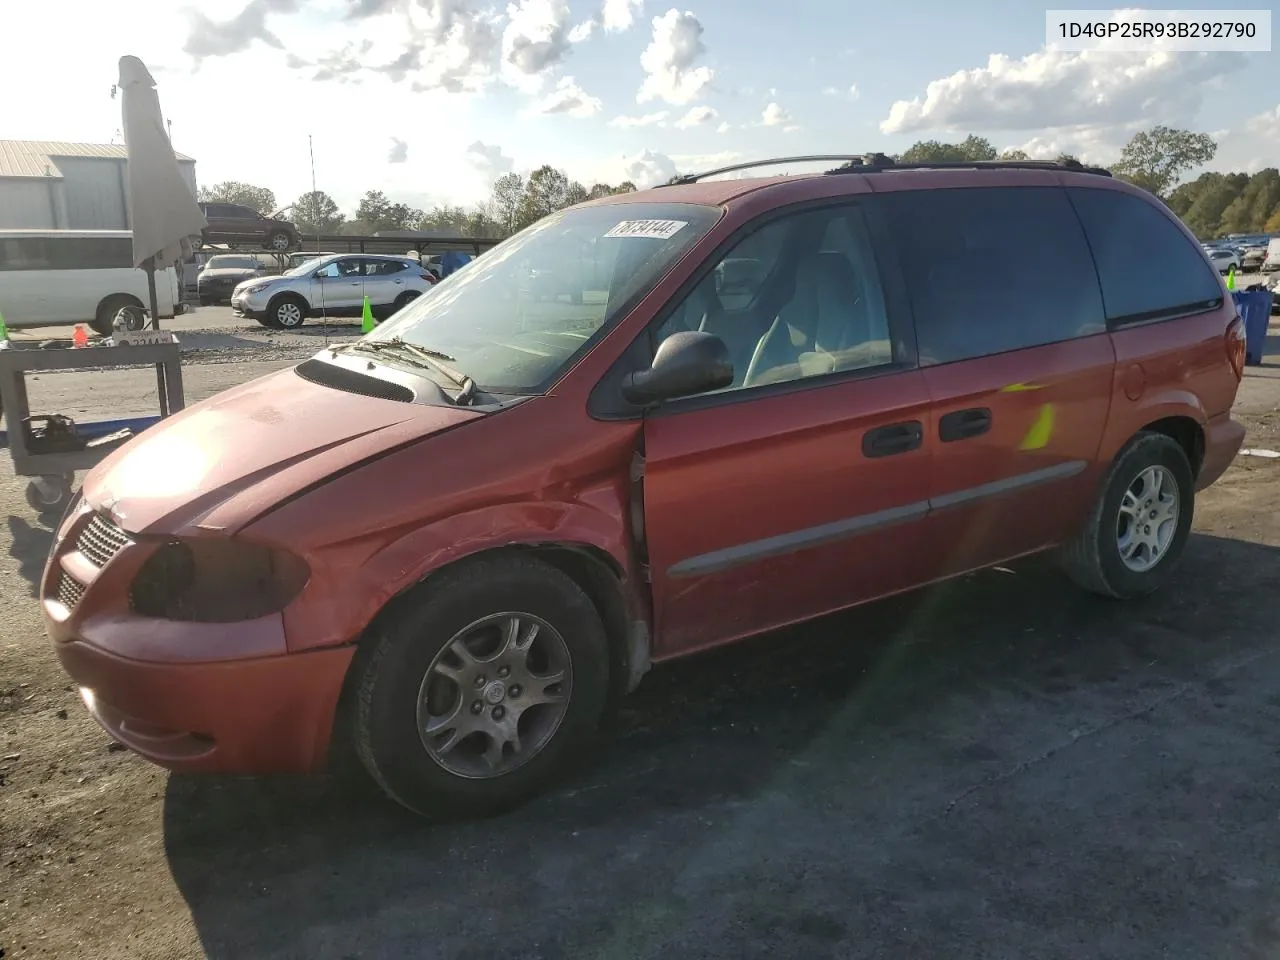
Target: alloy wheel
x=1148, y=519
x=495, y=695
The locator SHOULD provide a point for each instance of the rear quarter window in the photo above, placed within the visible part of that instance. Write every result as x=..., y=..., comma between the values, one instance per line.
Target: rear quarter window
x=1148, y=268
x=994, y=269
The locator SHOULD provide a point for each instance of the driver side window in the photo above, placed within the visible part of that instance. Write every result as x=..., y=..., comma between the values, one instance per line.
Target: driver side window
x=800, y=297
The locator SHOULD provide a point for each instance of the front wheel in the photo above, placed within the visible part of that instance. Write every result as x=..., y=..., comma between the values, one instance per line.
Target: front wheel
x=482, y=689
x=1139, y=526
x=287, y=312
x=279, y=240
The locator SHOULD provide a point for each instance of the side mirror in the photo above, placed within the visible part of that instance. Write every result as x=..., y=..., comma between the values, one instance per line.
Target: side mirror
x=686, y=363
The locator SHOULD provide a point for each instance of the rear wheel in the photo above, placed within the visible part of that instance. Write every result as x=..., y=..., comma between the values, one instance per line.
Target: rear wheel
x=287, y=312
x=1139, y=526
x=279, y=240
x=482, y=689
x=104, y=320
x=404, y=300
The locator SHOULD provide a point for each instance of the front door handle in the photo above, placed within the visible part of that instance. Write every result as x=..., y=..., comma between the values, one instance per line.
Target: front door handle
x=893, y=439
x=962, y=424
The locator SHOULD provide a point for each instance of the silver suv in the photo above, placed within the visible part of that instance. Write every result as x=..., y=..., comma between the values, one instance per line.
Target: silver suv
x=335, y=286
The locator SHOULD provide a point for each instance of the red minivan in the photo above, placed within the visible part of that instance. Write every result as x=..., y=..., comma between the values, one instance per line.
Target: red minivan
x=744, y=404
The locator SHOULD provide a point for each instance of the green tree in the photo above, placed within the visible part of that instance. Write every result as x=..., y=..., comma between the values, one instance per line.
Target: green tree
x=315, y=212
x=373, y=209
x=1066, y=159
x=545, y=192
x=1155, y=159
x=1248, y=212
x=1014, y=155
x=244, y=194
x=1215, y=194
x=506, y=194
x=576, y=193
x=935, y=151
x=1272, y=224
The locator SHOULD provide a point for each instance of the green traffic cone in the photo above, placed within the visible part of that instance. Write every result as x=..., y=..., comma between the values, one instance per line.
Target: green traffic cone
x=1231, y=279
x=366, y=318
x=4, y=331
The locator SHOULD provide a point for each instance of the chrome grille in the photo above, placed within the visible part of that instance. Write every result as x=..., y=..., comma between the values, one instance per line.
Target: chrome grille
x=101, y=540
x=70, y=590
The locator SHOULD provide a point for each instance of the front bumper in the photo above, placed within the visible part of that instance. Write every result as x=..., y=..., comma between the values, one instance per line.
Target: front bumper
x=1223, y=438
x=206, y=697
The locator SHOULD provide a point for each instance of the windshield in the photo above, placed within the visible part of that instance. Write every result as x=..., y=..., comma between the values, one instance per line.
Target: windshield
x=303, y=267
x=513, y=319
x=229, y=263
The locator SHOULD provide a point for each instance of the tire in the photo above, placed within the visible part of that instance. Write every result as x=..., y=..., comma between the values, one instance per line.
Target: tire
x=1093, y=559
x=102, y=323
x=390, y=683
x=404, y=300
x=288, y=312
x=53, y=501
x=279, y=240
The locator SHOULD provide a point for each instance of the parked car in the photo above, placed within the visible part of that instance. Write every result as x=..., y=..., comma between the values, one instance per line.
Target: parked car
x=1271, y=262
x=334, y=286
x=65, y=277
x=1224, y=260
x=233, y=223
x=1251, y=262
x=453, y=543
x=299, y=257
x=222, y=273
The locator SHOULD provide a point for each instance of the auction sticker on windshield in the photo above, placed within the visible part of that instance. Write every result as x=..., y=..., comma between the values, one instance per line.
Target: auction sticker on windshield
x=653, y=229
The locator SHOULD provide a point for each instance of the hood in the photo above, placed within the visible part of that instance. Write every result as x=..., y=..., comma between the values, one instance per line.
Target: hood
x=225, y=461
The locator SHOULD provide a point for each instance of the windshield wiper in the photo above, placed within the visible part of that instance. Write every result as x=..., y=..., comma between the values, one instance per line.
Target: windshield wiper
x=433, y=358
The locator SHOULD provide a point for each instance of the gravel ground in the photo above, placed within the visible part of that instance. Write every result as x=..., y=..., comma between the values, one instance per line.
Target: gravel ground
x=998, y=767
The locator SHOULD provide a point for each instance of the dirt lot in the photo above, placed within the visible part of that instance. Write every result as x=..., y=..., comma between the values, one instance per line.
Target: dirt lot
x=1001, y=767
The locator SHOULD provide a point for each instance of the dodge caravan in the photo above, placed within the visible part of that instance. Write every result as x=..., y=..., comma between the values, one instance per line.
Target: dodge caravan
x=757, y=401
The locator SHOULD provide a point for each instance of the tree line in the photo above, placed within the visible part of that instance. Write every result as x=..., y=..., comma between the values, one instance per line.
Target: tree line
x=1212, y=205
x=514, y=203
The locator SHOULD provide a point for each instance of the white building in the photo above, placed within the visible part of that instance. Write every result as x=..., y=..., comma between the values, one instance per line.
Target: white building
x=68, y=186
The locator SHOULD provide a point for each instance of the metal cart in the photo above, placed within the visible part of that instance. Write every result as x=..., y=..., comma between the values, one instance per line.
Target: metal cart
x=53, y=473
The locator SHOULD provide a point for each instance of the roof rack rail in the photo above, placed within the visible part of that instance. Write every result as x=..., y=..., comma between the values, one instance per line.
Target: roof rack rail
x=751, y=164
x=878, y=161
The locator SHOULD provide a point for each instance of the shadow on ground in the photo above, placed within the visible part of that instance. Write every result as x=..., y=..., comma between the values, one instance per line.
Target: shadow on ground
x=30, y=547
x=1001, y=766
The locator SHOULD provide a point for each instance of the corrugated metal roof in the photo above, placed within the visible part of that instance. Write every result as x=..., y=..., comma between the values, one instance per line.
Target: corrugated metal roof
x=38, y=158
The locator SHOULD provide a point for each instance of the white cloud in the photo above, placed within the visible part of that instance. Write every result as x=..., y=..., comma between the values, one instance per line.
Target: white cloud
x=647, y=120
x=848, y=93
x=582, y=31
x=668, y=60
x=568, y=98
x=774, y=116
x=489, y=160
x=724, y=127
x=399, y=151
x=790, y=129
x=696, y=117
x=220, y=38
x=1056, y=89
x=619, y=15
x=1266, y=124
x=535, y=39
x=648, y=169
x=705, y=161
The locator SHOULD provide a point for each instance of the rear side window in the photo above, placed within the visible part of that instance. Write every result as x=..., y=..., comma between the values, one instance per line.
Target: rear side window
x=994, y=269
x=1148, y=268
x=66, y=253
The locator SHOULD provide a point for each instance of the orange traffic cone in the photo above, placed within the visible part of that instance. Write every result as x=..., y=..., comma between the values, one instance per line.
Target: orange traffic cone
x=80, y=338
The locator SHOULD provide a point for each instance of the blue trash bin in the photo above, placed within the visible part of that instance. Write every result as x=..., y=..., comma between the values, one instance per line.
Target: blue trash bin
x=1255, y=311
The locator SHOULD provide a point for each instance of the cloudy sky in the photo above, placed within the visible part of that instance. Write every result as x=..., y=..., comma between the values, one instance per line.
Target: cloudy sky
x=428, y=100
